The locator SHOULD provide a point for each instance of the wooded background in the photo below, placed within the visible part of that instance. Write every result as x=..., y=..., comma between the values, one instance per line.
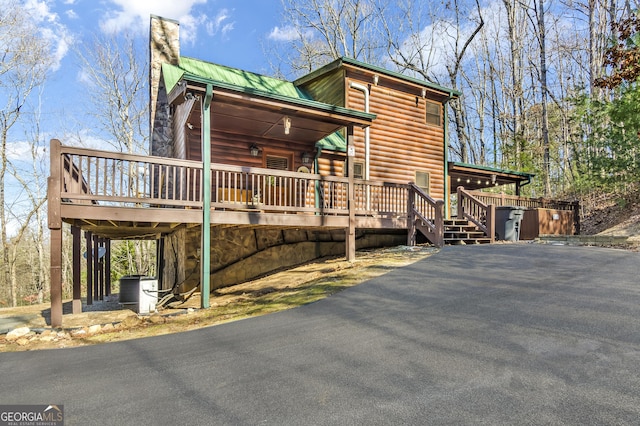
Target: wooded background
x=548, y=87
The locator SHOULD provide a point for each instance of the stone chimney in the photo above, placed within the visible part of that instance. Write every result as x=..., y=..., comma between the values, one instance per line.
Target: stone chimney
x=164, y=47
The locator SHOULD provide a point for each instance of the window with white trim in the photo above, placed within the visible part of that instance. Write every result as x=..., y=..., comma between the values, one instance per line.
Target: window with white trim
x=433, y=113
x=422, y=181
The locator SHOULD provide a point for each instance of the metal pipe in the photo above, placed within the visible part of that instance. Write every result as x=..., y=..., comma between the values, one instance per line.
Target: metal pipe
x=365, y=90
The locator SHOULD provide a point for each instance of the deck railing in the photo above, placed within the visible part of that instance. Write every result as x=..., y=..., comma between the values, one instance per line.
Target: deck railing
x=474, y=210
x=426, y=213
x=514, y=200
x=502, y=199
x=130, y=180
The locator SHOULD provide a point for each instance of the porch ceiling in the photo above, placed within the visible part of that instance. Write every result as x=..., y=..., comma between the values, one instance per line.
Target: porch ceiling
x=473, y=177
x=259, y=123
x=256, y=115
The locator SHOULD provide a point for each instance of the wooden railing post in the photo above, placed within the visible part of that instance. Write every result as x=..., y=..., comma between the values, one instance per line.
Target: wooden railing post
x=491, y=222
x=350, y=231
x=576, y=217
x=54, y=187
x=439, y=223
x=460, y=212
x=411, y=216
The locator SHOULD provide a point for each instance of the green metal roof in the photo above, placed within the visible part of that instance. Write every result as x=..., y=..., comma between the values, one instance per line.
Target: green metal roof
x=349, y=61
x=248, y=82
x=241, y=78
x=333, y=142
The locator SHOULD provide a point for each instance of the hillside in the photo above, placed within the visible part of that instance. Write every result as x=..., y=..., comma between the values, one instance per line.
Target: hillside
x=607, y=215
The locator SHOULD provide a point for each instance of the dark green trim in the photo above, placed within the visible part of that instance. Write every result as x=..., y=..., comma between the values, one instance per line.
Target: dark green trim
x=445, y=130
x=205, y=251
x=493, y=169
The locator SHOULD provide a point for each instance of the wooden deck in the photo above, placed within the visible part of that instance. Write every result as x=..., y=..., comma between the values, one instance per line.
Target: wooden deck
x=121, y=196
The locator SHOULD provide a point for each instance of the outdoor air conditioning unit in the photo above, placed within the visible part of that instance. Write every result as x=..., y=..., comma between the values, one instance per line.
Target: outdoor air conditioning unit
x=140, y=292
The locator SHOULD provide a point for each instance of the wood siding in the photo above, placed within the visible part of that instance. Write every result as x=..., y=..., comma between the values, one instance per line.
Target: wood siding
x=401, y=142
x=227, y=148
x=329, y=89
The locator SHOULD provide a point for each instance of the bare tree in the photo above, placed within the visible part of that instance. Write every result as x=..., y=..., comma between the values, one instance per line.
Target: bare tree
x=114, y=72
x=115, y=69
x=25, y=60
x=324, y=30
x=435, y=42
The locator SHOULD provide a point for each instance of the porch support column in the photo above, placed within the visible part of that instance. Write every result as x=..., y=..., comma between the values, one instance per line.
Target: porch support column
x=205, y=245
x=350, y=240
x=76, y=305
x=447, y=181
x=55, y=227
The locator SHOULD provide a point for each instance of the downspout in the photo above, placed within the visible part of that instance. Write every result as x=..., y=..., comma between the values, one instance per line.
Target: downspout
x=205, y=244
x=365, y=90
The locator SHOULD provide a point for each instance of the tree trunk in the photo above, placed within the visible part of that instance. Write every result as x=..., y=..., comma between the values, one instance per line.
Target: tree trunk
x=543, y=89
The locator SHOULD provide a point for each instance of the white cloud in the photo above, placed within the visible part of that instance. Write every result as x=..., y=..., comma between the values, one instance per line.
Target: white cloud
x=134, y=15
x=219, y=24
x=71, y=14
x=21, y=151
x=50, y=28
x=287, y=33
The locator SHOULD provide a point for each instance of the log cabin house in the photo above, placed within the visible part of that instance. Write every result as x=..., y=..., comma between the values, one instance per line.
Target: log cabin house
x=349, y=156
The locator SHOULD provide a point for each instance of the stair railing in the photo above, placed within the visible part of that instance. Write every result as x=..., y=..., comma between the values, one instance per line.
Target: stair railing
x=481, y=214
x=427, y=213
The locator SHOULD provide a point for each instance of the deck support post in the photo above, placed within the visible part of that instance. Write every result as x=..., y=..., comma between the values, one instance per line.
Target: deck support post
x=205, y=244
x=54, y=186
x=89, y=238
x=96, y=267
x=107, y=266
x=76, y=305
x=350, y=240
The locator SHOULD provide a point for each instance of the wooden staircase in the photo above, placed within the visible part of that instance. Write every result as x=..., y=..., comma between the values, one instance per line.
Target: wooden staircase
x=460, y=232
x=474, y=225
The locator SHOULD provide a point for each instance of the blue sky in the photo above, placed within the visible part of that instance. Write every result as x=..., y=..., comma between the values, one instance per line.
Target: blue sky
x=223, y=31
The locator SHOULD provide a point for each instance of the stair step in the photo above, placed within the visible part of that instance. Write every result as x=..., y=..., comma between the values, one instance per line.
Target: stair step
x=462, y=232
x=460, y=228
x=466, y=241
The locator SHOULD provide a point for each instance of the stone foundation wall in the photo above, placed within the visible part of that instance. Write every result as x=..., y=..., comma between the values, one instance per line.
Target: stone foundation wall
x=239, y=254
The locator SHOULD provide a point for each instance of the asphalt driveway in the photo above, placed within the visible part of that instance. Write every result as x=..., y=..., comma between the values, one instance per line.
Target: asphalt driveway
x=501, y=334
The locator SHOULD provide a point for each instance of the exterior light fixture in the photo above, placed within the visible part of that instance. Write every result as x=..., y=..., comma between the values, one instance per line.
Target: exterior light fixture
x=306, y=158
x=287, y=125
x=424, y=92
x=376, y=78
x=254, y=150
